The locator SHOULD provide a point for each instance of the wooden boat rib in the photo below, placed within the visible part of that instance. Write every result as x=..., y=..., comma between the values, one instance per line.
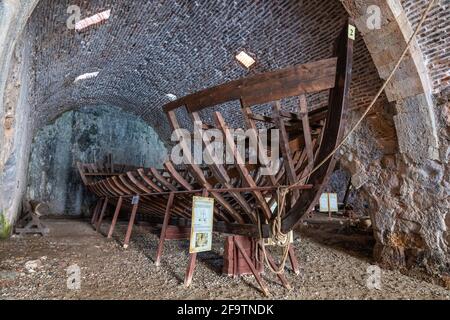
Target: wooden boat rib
x=241, y=192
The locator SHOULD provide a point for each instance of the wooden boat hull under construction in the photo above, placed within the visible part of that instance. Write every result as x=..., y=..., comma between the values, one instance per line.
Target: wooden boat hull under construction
x=244, y=197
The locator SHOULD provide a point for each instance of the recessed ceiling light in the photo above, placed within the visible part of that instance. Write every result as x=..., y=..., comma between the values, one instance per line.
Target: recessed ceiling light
x=245, y=59
x=171, y=97
x=86, y=76
x=96, y=18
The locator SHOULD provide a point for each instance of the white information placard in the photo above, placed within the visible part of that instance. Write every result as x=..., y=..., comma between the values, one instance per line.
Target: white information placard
x=333, y=202
x=329, y=202
x=324, y=202
x=202, y=224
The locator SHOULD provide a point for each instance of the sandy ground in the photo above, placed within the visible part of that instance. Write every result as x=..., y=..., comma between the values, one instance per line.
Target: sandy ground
x=110, y=272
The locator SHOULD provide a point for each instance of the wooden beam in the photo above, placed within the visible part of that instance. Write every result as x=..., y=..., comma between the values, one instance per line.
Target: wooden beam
x=221, y=174
x=95, y=213
x=162, y=236
x=240, y=164
x=332, y=133
x=262, y=88
x=258, y=278
x=284, y=146
x=115, y=217
x=130, y=225
x=99, y=221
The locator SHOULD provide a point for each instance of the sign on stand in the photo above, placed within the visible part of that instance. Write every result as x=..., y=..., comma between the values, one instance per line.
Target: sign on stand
x=202, y=224
x=329, y=202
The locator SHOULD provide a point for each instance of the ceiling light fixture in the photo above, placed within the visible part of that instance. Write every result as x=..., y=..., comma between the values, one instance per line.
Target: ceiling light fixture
x=96, y=18
x=245, y=59
x=86, y=76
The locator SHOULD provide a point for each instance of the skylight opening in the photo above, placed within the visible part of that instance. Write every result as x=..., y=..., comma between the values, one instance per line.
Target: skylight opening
x=95, y=19
x=86, y=76
x=245, y=59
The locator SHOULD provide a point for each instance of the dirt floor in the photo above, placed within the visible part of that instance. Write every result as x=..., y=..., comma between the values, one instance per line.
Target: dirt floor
x=110, y=272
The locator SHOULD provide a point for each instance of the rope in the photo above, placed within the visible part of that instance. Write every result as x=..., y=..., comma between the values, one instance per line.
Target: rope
x=281, y=239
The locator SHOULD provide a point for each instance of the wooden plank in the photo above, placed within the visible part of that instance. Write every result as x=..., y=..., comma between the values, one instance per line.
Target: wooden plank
x=102, y=214
x=95, y=213
x=135, y=191
x=266, y=87
x=251, y=125
x=306, y=131
x=162, y=236
x=127, y=191
x=284, y=146
x=137, y=183
x=176, y=176
x=280, y=276
x=252, y=267
x=82, y=173
x=159, y=177
x=192, y=260
x=130, y=225
x=162, y=180
x=199, y=176
x=190, y=270
x=221, y=174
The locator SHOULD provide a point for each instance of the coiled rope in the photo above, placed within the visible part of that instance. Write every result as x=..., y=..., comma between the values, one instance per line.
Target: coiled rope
x=281, y=239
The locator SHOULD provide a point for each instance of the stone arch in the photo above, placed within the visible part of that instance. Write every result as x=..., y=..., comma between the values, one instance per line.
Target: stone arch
x=410, y=88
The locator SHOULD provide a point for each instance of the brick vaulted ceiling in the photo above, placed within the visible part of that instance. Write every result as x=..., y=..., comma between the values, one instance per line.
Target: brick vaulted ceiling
x=149, y=49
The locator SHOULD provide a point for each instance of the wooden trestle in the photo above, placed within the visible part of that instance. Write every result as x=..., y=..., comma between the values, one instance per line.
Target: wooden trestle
x=241, y=192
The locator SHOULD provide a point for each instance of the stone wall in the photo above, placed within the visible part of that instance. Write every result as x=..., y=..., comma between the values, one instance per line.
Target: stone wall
x=86, y=135
x=405, y=176
x=433, y=39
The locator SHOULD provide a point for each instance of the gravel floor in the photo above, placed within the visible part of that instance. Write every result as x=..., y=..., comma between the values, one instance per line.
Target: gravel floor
x=110, y=272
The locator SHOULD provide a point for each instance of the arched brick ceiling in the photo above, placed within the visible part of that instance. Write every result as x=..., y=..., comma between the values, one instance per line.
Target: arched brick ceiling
x=148, y=49
x=433, y=39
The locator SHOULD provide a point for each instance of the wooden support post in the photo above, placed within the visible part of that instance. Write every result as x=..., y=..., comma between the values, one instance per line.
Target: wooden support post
x=95, y=213
x=306, y=131
x=130, y=224
x=284, y=146
x=190, y=269
x=281, y=276
x=102, y=214
x=293, y=260
x=252, y=267
x=115, y=217
x=162, y=236
x=192, y=259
